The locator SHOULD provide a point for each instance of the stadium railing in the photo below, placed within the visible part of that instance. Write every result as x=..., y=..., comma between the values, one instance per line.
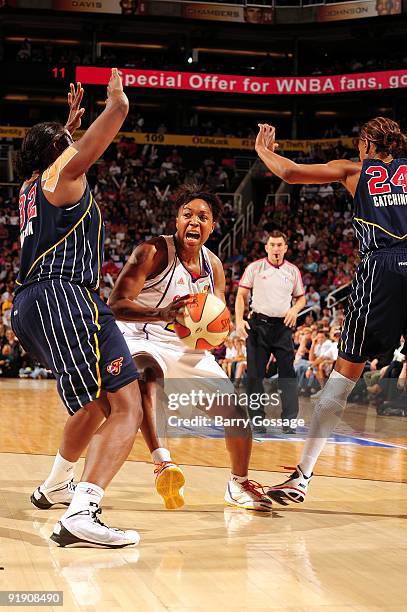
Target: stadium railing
x=338, y=295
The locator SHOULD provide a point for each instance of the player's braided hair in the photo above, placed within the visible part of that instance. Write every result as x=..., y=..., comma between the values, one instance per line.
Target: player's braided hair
x=187, y=193
x=42, y=144
x=386, y=136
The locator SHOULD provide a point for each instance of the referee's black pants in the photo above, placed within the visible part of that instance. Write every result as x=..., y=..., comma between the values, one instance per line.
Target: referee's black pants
x=269, y=335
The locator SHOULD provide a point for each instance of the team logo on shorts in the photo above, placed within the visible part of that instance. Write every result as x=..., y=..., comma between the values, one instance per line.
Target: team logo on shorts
x=115, y=367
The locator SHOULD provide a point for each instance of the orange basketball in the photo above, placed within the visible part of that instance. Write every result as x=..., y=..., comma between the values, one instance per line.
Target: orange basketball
x=206, y=322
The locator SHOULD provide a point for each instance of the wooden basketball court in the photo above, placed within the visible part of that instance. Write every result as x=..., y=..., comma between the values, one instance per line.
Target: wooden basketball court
x=345, y=549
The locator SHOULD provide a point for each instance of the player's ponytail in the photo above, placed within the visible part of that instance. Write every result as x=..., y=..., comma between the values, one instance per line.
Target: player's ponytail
x=386, y=135
x=42, y=144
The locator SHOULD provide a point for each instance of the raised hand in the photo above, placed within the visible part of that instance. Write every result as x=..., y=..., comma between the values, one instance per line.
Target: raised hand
x=266, y=137
x=115, y=83
x=75, y=96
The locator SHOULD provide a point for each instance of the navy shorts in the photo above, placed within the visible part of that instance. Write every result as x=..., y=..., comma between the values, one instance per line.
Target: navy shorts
x=73, y=332
x=377, y=308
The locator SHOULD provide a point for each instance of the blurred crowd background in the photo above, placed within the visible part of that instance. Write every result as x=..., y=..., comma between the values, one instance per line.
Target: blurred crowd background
x=134, y=186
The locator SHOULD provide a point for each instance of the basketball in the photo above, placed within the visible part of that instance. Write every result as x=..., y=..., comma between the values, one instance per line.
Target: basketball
x=206, y=323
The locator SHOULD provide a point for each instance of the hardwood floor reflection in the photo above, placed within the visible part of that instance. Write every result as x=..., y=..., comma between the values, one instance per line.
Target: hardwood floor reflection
x=32, y=418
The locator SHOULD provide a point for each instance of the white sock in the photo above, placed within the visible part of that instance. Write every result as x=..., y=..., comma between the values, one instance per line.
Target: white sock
x=238, y=479
x=161, y=454
x=61, y=471
x=327, y=414
x=85, y=493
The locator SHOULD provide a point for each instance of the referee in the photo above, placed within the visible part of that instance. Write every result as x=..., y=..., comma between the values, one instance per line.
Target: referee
x=273, y=283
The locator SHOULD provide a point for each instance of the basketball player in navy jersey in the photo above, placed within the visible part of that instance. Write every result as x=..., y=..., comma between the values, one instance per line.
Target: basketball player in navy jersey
x=146, y=300
x=377, y=316
x=59, y=317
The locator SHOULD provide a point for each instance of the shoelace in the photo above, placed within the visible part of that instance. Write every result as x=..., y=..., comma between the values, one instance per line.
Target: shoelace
x=160, y=466
x=94, y=516
x=254, y=487
x=295, y=472
x=94, y=513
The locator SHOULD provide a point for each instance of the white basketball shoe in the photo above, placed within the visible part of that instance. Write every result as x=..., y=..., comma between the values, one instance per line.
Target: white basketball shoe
x=61, y=494
x=84, y=529
x=249, y=495
x=292, y=490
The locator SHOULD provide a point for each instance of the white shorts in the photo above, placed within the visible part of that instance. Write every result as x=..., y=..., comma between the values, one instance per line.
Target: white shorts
x=182, y=368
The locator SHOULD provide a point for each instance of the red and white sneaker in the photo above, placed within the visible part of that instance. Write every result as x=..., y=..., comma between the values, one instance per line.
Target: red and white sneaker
x=169, y=482
x=249, y=495
x=292, y=490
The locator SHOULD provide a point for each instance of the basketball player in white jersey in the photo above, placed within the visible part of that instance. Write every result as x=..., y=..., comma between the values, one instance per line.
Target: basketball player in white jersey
x=151, y=291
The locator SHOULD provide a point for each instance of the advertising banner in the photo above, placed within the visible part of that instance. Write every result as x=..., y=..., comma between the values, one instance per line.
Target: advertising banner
x=227, y=12
x=118, y=7
x=358, y=10
x=186, y=10
x=216, y=11
x=182, y=140
x=12, y=132
x=226, y=83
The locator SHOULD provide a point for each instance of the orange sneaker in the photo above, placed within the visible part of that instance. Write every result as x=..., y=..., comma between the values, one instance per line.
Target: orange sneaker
x=169, y=482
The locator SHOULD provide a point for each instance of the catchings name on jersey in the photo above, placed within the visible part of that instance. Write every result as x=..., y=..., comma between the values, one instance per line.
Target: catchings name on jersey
x=158, y=292
x=380, y=220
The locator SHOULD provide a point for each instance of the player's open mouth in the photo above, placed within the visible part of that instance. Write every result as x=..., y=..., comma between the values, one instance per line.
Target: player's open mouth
x=192, y=236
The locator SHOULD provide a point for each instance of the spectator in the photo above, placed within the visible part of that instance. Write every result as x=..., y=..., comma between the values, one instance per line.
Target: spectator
x=328, y=355
x=301, y=361
x=241, y=365
x=10, y=357
x=230, y=356
x=313, y=300
x=320, y=350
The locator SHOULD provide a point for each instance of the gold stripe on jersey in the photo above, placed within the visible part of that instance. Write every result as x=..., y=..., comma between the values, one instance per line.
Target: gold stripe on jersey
x=380, y=227
x=96, y=344
x=99, y=234
x=54, y=246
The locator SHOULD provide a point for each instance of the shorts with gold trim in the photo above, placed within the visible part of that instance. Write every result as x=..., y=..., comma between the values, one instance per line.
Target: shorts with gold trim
x=69, y=329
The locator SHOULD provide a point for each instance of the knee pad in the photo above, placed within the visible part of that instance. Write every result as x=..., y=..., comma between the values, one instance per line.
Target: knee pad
x=335, y=395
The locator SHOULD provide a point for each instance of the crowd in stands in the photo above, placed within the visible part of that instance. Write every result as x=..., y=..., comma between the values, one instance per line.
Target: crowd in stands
x=203, y=122
x=135, y=186
x=176, y=55
x=383, y=384
x=135, y=189
x=329, y=65
x=240, y=126
x=384, y=379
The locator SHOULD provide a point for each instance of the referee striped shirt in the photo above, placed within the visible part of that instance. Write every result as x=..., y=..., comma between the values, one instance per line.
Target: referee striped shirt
x=272, y=287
